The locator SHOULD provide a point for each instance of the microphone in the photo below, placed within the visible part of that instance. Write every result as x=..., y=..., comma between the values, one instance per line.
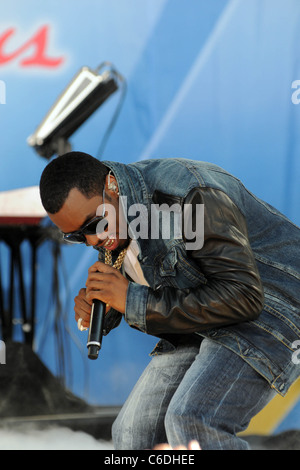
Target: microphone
x=96, y=329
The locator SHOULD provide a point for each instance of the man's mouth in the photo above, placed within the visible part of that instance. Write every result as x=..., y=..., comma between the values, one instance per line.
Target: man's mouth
x=111, y=243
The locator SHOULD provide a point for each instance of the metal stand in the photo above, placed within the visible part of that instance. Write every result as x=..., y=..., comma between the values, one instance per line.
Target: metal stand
x=13, y=236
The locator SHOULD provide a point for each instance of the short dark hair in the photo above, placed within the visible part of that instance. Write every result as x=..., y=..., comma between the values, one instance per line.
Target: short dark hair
x=71, y=170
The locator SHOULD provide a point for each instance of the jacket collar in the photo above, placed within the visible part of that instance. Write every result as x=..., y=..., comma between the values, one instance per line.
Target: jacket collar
x=131, y=184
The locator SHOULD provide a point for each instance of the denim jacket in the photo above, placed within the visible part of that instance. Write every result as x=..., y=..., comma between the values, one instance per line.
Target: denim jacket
x=241, y=288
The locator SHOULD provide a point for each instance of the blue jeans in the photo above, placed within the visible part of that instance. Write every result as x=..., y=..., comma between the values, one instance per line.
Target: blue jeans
x=206, y=393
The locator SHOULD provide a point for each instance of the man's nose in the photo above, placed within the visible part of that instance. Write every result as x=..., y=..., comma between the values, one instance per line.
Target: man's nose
x=92, y=240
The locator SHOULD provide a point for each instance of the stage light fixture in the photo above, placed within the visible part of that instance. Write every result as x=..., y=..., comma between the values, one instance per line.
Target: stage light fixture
x=86, y=92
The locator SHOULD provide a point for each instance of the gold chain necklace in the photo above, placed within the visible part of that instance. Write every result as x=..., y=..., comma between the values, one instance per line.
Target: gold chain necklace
x=119, y=261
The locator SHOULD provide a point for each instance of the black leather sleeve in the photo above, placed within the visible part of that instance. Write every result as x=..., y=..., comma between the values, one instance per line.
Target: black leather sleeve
x=112, y=320
x=233, y=291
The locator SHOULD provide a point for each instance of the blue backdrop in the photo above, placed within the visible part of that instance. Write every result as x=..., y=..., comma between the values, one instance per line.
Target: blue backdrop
x=209, y=80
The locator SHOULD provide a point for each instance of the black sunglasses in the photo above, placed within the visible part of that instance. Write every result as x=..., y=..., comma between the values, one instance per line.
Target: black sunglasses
x=90, y=228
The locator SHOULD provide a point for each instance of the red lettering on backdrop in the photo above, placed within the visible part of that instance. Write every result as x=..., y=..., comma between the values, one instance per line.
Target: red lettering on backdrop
x=38, y=42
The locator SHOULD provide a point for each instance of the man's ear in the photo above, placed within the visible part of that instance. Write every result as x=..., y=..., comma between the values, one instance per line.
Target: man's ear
x=111, y=183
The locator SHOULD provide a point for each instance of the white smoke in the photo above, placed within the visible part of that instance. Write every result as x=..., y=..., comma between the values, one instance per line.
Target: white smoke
x=53, y=438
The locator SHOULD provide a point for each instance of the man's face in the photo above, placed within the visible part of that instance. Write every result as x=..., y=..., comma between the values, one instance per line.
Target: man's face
x=78, y=210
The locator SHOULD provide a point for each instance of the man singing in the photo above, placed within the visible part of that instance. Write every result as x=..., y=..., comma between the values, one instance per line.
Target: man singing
x=225, y=304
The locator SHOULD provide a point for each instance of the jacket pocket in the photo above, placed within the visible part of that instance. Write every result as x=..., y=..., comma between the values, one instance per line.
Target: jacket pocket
x=177, y=270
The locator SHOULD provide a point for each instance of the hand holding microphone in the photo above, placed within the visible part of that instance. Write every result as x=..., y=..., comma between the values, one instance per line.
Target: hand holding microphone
x=105, y=287
x=97, y=316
